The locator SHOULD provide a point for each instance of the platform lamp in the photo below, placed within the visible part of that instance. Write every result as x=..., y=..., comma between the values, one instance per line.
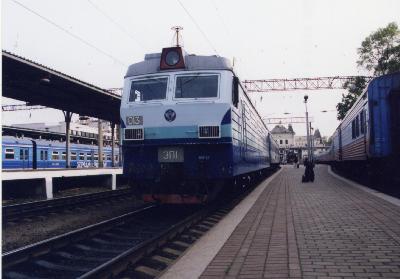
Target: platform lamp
x=308, y=132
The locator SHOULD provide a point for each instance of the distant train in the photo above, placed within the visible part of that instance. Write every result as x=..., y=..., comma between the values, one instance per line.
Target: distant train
x=26, y=153
x=190, y=131
x=367, y=141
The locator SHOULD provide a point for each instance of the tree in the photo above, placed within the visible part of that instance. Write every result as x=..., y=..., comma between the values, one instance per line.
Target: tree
x=380, y=51
x=380, y=54
x=355, y=89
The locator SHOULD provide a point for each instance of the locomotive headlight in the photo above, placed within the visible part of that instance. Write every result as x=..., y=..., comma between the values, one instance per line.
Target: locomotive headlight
x=172, y=58
x=129, y=120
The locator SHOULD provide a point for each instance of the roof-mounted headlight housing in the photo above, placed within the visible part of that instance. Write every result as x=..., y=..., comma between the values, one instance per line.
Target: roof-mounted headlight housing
x=172, y=58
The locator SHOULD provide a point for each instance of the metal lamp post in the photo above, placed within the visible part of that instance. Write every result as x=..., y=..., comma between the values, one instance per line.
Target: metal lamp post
x=308, y=132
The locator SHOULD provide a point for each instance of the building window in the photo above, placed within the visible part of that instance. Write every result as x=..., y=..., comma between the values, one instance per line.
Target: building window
x=9, y=154
x=286, y=141
x=280, y=141
x=55, y=155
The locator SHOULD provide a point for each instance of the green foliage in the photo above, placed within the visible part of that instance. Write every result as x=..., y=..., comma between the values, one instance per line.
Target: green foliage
x=355, y=88
x=380, y=51
x=380, y=54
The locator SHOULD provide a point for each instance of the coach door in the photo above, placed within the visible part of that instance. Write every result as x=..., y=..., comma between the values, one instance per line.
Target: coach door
x=24, y=157
x=44, y=158
x=395, y=120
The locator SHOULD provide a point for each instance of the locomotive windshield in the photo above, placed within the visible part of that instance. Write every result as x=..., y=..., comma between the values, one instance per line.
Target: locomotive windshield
x=198, y=86
x=148, y=89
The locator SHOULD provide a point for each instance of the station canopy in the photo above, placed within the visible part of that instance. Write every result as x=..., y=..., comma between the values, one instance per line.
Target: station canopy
x=36, y=84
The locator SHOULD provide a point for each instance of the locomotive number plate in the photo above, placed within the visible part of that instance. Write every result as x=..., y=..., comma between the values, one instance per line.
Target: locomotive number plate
x=170, y=154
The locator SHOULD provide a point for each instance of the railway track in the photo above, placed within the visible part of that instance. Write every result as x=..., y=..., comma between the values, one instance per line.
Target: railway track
x=84, y=252
x=140, y=244
x=16, y=211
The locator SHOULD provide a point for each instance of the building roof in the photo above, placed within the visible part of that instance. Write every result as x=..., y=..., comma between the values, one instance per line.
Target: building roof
x=36, y=84
x=280, y=129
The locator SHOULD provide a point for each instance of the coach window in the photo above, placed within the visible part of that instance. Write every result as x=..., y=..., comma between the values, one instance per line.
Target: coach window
x=64, y=156
x=357, y=126
x=9, y=153
x=23, y=154
x=73, y=155
x=362, y=122
x=55, y=155
x=82, y=156
x=148, y=89
x=198, y=86
x=96, y=157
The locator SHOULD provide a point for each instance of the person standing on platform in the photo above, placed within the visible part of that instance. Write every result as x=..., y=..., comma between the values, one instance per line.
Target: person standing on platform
x=309, y=172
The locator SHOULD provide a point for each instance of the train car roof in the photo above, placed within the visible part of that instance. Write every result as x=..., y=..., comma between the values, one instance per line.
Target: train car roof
x=389, y=81
x=41, y=142
x=151, y=64
x=14, y=140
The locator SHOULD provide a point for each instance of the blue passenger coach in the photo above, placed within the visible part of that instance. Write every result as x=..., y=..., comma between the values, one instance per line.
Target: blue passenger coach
x=189, y=128
x=25, y=153
x=367, y=141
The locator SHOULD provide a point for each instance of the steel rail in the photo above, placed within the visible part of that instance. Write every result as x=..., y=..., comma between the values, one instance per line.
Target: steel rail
x=24, y=253
x=119, y=263
x=17, y=210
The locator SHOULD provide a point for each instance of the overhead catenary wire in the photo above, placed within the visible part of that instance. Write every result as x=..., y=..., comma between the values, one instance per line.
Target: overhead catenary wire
x=119, y=26
x=198, y=27
x=70, y=33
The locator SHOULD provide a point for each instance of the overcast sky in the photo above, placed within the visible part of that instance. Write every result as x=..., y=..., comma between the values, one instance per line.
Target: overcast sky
x=95, y=41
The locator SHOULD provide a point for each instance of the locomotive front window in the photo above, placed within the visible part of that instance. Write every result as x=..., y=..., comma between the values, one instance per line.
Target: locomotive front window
x=148, y=89
x=199, y=86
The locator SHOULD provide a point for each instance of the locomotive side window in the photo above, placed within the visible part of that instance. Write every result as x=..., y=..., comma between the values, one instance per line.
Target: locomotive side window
x=9, y=153
x=198, y=86
x=148, y=89
x=235, y=91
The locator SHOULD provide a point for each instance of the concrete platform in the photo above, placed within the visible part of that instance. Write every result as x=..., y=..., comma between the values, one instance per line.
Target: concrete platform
x=47, y=175
x=327, y=229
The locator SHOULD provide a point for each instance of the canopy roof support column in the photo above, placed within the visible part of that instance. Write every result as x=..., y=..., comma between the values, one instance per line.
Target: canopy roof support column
x=100, y=144
x=112, y=144
x=68, y=116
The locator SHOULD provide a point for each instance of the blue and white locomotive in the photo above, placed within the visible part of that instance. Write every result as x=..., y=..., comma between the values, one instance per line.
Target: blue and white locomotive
x=189, y=129
x=27, y=153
